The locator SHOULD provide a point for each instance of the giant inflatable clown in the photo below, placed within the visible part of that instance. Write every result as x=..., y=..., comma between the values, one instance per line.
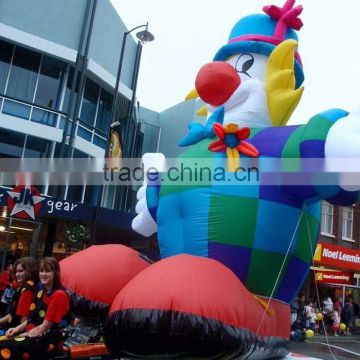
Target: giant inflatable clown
x=265, y=234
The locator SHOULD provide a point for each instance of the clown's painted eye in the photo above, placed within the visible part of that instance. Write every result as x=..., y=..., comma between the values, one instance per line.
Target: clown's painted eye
x=244, y=63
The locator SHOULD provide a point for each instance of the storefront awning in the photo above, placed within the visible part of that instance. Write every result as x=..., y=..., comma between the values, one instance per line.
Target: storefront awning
x=319, y=268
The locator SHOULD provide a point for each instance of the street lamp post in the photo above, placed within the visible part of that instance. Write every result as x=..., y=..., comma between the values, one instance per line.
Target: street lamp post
x=144, y=36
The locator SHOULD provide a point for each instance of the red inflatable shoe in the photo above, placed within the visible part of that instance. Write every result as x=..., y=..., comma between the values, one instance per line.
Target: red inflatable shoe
x=194, y=306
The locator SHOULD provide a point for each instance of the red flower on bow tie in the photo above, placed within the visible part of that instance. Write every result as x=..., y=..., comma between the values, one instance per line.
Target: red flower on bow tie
x=231, y=140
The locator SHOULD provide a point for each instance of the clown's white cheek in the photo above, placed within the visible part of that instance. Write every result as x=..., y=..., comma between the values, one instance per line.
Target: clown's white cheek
x=248, y=106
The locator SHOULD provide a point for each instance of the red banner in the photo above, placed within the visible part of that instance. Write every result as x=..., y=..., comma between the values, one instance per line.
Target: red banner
x=333, y=255
x=334, y=277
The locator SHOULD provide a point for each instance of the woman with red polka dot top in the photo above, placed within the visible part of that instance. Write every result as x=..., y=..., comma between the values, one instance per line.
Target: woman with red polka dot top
x=49, y=315
x=26, y=274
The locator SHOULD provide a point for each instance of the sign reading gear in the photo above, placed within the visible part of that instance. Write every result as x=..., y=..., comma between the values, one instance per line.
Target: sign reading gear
x=326, y=254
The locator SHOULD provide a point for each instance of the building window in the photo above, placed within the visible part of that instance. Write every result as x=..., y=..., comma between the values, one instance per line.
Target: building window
x=103, y=115
x=74, y=193
x=11, y=144
x=6, y=51
x=327, y=218
x=23, y=74
x=151, y=137
x=68, y=88
x=139, y=140
x=347, y=226
x=37, y=148
x=51, y=78
x=89, y=102
x=108, y=198
x=77, y=154
x=91, y=194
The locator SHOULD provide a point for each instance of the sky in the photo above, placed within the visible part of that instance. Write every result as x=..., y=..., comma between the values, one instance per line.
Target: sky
x=188, y=33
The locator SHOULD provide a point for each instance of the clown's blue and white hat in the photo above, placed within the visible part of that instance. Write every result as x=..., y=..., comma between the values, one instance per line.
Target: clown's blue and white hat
x=261, y=33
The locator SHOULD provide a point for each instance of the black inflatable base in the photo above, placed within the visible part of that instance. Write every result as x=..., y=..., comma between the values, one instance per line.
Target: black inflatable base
x=159, y=334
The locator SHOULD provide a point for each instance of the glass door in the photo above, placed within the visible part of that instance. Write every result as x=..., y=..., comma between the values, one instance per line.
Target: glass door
x=18, y=238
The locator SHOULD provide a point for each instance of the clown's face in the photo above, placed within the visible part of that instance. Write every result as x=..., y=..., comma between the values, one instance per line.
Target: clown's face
x=240, y=88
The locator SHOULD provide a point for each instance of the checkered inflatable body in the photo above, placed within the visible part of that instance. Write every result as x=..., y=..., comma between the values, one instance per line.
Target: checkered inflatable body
x=250, y=227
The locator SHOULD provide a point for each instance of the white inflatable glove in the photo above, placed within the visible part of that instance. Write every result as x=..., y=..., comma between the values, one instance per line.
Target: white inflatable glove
x=141, y=193
x=144, y=223
x=343, y=143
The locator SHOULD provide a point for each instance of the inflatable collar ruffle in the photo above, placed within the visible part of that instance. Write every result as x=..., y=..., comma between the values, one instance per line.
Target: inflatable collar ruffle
x=199, y=132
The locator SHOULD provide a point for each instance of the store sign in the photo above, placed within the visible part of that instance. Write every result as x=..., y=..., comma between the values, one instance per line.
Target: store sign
x=24, y=201
x=327, y=254
x=30, y=204
x=60, y=206
x=334, y=277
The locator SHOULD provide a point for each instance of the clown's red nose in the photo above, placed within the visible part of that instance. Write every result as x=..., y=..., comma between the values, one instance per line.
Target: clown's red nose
x=216, y=82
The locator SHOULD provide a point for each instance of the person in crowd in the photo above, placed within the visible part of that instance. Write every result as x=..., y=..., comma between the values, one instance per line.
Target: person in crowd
x=337, y=315
x=301, y=310
x=26, y=277
x=336, y=322
x=7, y=279
x=312, y=319
x=356, y=308
x=348, y=314
x=50, y=314
x=294, y=307
x=11, y=257
x=297, y=330
x=328, y=311
x=338, y=306
x=308, y=314
x=317, y=322
x=328, y=304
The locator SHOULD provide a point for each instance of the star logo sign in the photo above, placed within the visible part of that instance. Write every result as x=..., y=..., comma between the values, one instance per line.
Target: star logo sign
x=24, y=201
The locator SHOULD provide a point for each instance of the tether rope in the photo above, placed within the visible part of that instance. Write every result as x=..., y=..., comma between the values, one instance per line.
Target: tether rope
x=280, y=271
x=317, y=289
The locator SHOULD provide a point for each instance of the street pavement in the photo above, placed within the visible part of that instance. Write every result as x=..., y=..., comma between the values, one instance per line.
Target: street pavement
x=330, y=348
x=320, y=348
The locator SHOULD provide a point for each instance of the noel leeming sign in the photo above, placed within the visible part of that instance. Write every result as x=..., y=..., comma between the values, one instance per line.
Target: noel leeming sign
x=339, y=256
